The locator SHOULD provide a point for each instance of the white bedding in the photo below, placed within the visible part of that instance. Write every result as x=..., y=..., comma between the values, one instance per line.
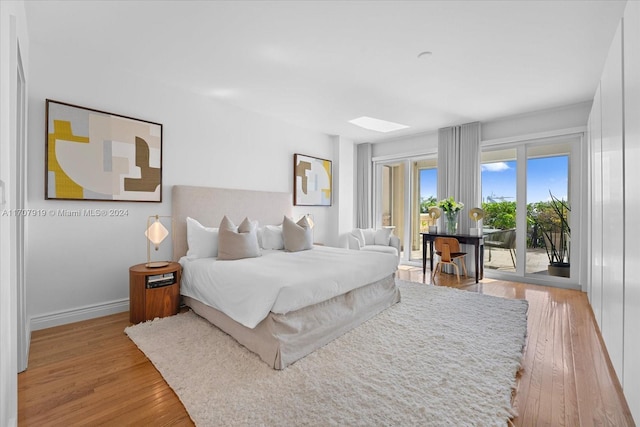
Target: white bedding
x=248, y=289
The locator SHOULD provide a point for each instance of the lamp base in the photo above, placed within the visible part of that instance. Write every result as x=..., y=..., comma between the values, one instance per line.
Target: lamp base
x=156, y=264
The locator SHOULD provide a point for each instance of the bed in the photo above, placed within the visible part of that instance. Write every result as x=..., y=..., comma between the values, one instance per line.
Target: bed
x=304, y=299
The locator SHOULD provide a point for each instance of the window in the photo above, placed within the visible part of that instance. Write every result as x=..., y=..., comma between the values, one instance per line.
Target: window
x=527, y=198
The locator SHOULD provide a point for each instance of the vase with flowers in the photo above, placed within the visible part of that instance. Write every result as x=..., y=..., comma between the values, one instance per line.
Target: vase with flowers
x=451, y=208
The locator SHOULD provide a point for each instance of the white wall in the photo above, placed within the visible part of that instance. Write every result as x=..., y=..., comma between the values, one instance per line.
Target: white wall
x=631, y=355
x=594, y=287
x=412, y=145
x=612, y=203
x=13, y=34
x=631, y=368
x=344, y=191
x=615, y=153
x=538, y=123
x=78, y=266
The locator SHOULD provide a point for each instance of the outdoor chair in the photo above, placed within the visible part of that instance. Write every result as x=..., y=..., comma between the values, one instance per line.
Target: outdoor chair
x=503, y=239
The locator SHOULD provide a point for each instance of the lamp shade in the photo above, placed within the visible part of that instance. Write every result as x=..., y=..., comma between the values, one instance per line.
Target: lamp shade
x=434, y=212
x=476, y=214
x=310, y=220
x=156, y=233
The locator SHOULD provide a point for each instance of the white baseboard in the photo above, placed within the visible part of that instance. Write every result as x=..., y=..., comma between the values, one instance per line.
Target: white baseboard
x=78, y=314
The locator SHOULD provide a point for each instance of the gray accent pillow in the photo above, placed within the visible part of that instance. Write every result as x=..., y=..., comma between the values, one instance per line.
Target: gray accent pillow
x=297, y=236
x=238, y=242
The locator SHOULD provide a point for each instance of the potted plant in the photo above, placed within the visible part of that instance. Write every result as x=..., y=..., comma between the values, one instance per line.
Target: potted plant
x=553, y=224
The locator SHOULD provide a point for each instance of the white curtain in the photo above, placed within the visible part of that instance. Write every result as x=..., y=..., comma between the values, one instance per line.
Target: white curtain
x=470, y=185
x=459, y=171
x=459, y=168
x=449, y=163
x=364, y=209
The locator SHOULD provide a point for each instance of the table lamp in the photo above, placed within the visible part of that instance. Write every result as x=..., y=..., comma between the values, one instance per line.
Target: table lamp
x=434, y=214
x=156, y=233
x=476, y=214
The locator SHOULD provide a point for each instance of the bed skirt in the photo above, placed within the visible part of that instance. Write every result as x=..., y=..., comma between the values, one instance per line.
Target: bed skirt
x=281, y=339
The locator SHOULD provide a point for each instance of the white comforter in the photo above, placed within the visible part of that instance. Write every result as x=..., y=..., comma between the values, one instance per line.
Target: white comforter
x=248, y=289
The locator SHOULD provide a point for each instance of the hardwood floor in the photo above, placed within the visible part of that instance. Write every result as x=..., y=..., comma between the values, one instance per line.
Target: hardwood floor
x=566, y=377
x=90, y=373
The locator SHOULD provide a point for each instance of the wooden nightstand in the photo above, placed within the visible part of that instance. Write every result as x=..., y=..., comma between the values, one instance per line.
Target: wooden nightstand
x=153, y=292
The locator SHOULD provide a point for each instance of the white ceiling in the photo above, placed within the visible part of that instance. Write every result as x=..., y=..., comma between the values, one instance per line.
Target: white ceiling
x=318, y=64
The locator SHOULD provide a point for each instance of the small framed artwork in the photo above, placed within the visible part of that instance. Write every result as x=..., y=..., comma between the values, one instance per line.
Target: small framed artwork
x=95, y=155
x=311, y=181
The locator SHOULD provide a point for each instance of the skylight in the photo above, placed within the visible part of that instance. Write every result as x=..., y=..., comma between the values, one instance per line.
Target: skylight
x=377, y=124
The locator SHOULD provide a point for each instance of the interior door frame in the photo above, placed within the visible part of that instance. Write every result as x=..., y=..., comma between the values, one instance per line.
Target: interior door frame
x=20, y=190
x=14, y=336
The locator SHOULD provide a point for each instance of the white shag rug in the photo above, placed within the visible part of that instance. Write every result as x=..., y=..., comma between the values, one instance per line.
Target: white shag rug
x=441, y=356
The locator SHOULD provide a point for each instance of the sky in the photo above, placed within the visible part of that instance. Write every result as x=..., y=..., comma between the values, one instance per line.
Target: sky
x=428, y=183
x=499, y=180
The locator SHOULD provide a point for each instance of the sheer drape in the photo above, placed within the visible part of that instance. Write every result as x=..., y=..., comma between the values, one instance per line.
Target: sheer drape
x=449, y=163
x=459, y=170
x=470, y=186
x=364, y=186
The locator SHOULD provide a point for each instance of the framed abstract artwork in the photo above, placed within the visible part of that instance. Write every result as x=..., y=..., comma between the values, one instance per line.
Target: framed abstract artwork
x=95, y=155
x=311, y=181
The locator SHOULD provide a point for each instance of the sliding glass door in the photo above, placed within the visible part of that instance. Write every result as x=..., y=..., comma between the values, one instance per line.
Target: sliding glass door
x=391, y=209
x=527, y=197
x=531, y=198
x=424, y=176
x=499, y=173
x=548, y=207
x=405, y=189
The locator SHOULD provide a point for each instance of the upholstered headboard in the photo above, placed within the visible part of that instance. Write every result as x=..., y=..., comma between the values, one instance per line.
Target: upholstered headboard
x=209, y=205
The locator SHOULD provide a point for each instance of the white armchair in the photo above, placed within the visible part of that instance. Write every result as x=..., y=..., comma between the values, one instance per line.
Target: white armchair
x=369, y=239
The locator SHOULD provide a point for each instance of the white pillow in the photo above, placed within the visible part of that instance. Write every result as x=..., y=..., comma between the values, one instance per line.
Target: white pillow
x=357, y=233
x=238, y=242
x=272, y=237
x=382, y=236
x=202, y=241
x=369, y=235
x=297, y=236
